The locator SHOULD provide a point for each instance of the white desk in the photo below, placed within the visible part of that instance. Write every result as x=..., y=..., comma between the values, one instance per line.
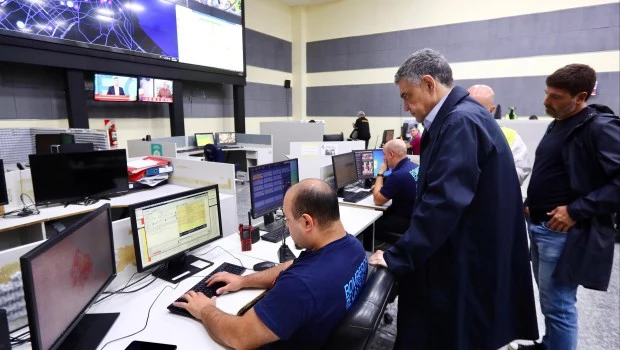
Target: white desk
x=367, y=202
x=355, y=220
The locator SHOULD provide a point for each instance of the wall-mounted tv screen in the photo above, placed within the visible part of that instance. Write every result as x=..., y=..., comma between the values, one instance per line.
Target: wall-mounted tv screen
x=154, y=90
x=205, y=33
x=115, y=88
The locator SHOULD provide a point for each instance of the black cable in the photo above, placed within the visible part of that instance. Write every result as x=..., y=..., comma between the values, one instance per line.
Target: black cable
x=148, y=315
x=26, y=210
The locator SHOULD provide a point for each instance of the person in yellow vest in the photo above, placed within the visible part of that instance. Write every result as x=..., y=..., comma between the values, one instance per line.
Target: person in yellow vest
x=485, y=96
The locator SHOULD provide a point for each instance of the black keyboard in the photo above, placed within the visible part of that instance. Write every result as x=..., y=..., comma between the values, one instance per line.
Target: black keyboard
x=275, y=236
x=208, y=291
x=193, y=149
x=354, y=197
x=231, y=147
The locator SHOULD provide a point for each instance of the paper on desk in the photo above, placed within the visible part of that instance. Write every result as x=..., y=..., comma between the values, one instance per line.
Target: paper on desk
x=153, y=181
x=142, y=163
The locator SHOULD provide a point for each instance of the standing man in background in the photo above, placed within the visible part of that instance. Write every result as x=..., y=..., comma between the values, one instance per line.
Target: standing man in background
x=485, y=96
x=416, y=140
x=363, y=127
x=572, y=195
x=463, y=266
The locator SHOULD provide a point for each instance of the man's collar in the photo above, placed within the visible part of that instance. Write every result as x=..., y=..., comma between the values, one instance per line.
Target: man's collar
x=433, y=113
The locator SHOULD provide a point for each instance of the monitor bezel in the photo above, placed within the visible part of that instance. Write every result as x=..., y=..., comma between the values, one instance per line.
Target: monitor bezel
x=4, y=193
x=28, y=281
x=74, y=198
x=134, y=226
x=335, y=173
x=204, y=133
x=250, y=174
x=217, y=140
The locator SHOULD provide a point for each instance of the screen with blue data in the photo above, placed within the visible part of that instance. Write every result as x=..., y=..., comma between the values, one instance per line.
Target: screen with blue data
x=269, y=183
x=206, y=33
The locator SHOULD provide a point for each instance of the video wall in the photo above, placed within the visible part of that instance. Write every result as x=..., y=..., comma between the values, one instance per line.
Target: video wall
x=206, y=33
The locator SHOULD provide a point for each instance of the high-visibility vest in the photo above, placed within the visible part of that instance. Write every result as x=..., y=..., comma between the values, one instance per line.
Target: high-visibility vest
x=510, y=135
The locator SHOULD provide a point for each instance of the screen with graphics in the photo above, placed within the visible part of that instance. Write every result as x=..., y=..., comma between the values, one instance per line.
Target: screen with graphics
x=115, y=88
x=155, y=90
x=206, y=33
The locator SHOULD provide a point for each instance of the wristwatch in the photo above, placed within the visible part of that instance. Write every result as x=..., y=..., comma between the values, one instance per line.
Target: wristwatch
x=379, y=175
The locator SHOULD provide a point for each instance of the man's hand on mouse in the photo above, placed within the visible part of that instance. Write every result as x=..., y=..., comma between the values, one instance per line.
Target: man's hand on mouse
x=194, y=303
x=233, y=282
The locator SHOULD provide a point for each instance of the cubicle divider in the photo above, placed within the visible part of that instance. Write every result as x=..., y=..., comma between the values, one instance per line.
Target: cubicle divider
x=180, y=141
x=284, y=133
x=254, y=139
x=314, y=156
x=139, y=148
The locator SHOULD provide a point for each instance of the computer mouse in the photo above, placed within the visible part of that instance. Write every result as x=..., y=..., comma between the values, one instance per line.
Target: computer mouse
x=263, y=266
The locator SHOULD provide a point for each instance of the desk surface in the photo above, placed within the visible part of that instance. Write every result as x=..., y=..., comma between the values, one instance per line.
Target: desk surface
x=59, y=211
x=367, y=202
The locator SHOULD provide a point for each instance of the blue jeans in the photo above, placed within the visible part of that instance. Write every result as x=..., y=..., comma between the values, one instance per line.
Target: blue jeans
x=557, y=300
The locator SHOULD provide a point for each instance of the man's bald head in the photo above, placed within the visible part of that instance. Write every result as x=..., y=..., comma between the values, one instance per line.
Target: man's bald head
x=315, y=198
x=396, y=146
x=484, y=95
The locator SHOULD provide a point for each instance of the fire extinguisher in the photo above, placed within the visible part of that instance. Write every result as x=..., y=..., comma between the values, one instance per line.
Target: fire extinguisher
x=111, y=126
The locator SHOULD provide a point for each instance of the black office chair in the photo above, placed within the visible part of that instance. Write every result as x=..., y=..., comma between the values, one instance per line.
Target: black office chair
x=357, y=329
x=214, y=153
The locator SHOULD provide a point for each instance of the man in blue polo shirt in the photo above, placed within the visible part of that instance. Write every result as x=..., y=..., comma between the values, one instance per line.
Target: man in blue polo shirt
x=307, y=297
x=400, y=187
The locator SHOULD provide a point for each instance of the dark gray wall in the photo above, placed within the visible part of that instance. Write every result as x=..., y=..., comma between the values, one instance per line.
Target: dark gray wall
x=31, y=92
x=585, y=29
x=525, y=93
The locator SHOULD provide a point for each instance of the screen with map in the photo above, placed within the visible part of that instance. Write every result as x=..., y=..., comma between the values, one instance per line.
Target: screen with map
x=206, y=33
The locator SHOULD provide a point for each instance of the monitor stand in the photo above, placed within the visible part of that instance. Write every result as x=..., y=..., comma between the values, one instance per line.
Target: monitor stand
x=179, y=268
x=90, y=331
x=269, y=223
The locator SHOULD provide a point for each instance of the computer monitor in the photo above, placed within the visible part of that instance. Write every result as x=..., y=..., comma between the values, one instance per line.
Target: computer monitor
x=167, y=228
x=226, y=138
x=74, y=148
x=4, y=197
x=203, y=139
x=44, y=142
x=404, y=131
x=268, y=184
x=63, y=276
x=83, y=176
x=377, y=157
x=333, y=137
x=364, y=164
x=344, y=169
x=388, y=135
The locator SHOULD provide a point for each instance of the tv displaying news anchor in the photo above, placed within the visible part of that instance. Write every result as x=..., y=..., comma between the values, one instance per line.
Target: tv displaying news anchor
x=155, y=90
x=115, y=88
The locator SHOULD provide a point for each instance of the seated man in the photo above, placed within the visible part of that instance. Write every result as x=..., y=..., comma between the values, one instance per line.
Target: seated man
x=485, y=96
x=307, y=297
x=400, y=188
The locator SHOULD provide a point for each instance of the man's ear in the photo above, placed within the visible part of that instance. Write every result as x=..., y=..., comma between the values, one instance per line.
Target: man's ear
x=581, y=97
x=308, y=222
x=428, y=82
x=492, y=109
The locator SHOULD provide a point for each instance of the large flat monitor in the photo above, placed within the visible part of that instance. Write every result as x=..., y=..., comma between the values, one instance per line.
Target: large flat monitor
x=226, y=138
x=43, y=142
x=388, y=135
x=4, y=197
x=83, y=176
x=377, y=157
x=166, y=229
x=204, y=33
x=155, y=90
x=203, y=139
x=268, y=184
x=364, y=164
x=344, y=169
x=62, y=277
x=115, y=88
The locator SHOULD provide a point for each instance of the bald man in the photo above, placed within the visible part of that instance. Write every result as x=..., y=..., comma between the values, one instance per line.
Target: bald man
x=486, y=97
x=304, y=304
x=400, y=188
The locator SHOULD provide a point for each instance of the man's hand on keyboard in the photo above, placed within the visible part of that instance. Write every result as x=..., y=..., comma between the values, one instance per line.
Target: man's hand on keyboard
x=194, y=303
x=232, y=281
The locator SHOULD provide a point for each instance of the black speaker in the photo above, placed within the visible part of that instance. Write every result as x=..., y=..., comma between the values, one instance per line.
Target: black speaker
x=5, y=342
x=287, y=84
